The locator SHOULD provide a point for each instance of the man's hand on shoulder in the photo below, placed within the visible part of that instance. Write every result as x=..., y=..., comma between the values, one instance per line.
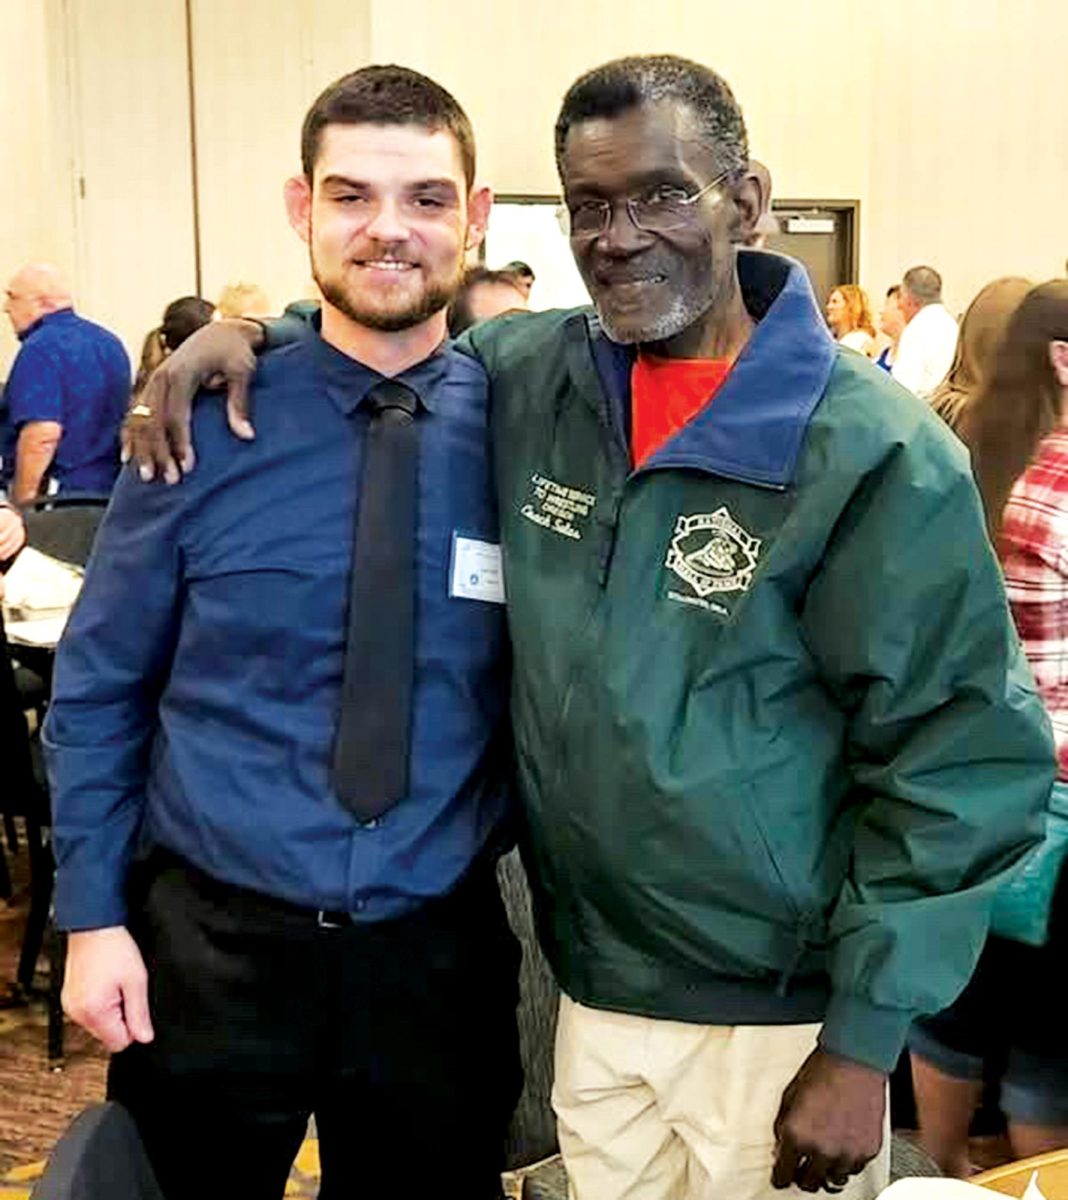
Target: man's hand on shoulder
x=105, y=988
x=830, y=1123
x=157, y=431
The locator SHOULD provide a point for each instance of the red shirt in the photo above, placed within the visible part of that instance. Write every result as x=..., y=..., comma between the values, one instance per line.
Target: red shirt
x=1034, y=556
x=665, y=395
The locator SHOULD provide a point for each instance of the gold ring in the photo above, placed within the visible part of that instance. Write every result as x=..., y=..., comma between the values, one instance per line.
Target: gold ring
x=140, y=410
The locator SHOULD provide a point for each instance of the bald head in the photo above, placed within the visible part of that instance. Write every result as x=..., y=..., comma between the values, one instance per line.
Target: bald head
x=33, y=292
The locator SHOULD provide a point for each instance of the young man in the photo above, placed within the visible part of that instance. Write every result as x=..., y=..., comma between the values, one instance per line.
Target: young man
x=279, y=786
x=777, y=745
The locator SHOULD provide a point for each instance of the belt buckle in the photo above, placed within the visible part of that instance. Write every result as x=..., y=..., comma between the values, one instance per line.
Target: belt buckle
x=324, y=918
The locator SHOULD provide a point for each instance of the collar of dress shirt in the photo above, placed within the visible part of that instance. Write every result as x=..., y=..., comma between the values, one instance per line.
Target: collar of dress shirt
x=348, y=381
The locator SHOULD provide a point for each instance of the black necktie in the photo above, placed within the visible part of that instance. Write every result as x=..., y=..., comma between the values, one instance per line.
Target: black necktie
x=370, y=770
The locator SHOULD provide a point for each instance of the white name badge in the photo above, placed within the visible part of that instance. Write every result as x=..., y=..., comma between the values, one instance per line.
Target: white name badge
x=477, y=572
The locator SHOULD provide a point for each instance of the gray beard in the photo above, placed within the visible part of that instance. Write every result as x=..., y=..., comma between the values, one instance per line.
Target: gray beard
x=680, y=315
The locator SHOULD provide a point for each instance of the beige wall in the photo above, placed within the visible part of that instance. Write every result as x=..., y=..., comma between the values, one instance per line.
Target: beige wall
x=36, y=204
x=258, y=65
x=947, y=120
x=129, y=121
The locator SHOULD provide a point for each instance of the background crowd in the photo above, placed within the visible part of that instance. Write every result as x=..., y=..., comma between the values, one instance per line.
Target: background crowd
x=998, y=378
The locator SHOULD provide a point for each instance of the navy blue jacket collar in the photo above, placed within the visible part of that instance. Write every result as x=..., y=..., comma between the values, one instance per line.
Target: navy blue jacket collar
x=348, y=381
x=754, y=428
x=52, y=318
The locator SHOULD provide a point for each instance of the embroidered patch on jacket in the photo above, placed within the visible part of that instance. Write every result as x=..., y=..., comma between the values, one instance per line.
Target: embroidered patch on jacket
x=711, y=553
x=557, y=507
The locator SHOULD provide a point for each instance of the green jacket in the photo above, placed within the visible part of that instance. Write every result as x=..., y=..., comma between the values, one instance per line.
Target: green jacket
x=776, y=739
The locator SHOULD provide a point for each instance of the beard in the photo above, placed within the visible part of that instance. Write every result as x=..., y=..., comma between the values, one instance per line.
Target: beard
x=680, y=314
x=405, y=312
x=691, y=299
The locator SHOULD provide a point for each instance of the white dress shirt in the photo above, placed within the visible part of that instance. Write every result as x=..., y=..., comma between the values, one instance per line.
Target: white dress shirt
x=925, y=352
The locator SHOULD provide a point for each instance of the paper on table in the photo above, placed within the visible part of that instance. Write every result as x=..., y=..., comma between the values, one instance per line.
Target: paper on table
x=949, y=1189
x=1033, y=1192
x=39, y=631
x=37, y=583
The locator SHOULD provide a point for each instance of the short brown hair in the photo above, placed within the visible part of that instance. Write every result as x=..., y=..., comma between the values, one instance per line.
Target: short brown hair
x=387, y=95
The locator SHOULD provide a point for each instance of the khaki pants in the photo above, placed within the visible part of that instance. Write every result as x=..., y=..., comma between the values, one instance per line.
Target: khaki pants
x=665, y=1110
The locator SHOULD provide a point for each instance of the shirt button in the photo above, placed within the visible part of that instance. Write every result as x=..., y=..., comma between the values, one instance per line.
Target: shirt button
x=373, y=823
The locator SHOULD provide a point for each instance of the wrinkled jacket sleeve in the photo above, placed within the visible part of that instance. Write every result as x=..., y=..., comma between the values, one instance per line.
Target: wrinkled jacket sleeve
x=110, y=669
x=949, y=746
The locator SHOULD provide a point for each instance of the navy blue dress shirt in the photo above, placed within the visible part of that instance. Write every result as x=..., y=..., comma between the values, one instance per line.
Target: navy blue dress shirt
x=197, y=685
x=76, y=373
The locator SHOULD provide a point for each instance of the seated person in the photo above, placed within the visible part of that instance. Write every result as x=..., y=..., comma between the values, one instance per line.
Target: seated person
x=12, y=538
x=849, y=316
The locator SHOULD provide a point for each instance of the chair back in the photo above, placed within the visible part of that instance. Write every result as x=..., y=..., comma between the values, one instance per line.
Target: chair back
x=64, y=527
x=1012, y=1178
x=532, y=1136
x=19, y=781
x=100, y=1157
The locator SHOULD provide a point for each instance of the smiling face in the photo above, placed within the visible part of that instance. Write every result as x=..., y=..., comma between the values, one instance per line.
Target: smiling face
x=649, y=287
x=387, y=218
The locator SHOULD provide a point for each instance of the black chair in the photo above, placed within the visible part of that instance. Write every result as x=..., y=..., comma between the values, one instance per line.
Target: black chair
x=25, y=796
x=100, y=1157
x=63, y=527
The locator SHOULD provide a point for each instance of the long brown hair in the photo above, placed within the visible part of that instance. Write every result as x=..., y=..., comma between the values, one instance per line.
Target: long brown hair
x=1020, y=402
x=981, y=329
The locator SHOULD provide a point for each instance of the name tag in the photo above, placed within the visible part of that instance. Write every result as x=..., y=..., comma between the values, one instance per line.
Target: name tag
x=477, y=572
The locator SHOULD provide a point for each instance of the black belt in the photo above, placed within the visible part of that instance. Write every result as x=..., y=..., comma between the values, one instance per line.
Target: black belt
x=160, y=859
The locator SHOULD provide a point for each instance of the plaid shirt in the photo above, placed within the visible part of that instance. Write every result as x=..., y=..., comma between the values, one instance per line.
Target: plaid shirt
x=1034, y=555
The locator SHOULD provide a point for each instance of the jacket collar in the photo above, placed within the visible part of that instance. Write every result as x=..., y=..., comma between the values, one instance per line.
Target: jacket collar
x=754, y=428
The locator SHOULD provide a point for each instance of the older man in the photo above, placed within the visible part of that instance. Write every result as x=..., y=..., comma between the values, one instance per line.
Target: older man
x=67, y=393
x=929, y=340
x=777, y=743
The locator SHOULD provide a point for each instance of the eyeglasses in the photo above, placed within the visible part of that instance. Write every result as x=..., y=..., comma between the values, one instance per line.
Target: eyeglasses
x=659, y=210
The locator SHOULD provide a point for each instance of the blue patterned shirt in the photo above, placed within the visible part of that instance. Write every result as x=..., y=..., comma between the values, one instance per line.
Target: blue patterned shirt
x=74, y=372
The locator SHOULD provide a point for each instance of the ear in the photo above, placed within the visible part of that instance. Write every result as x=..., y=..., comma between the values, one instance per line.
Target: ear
x=1058, y=357
x=749, y=205
x=479, y=203
x=298, y=196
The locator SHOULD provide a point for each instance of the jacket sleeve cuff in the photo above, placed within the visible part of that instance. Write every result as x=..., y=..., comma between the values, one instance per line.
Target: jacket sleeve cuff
x=855, y=1028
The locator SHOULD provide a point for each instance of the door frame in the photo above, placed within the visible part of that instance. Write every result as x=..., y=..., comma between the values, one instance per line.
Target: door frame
x=848, y=212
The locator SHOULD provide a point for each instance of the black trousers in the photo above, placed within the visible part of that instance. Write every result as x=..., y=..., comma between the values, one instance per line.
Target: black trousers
x=400, y=1037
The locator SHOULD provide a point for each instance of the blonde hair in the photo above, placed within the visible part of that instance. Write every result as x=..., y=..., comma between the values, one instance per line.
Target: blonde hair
x=243, y=300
